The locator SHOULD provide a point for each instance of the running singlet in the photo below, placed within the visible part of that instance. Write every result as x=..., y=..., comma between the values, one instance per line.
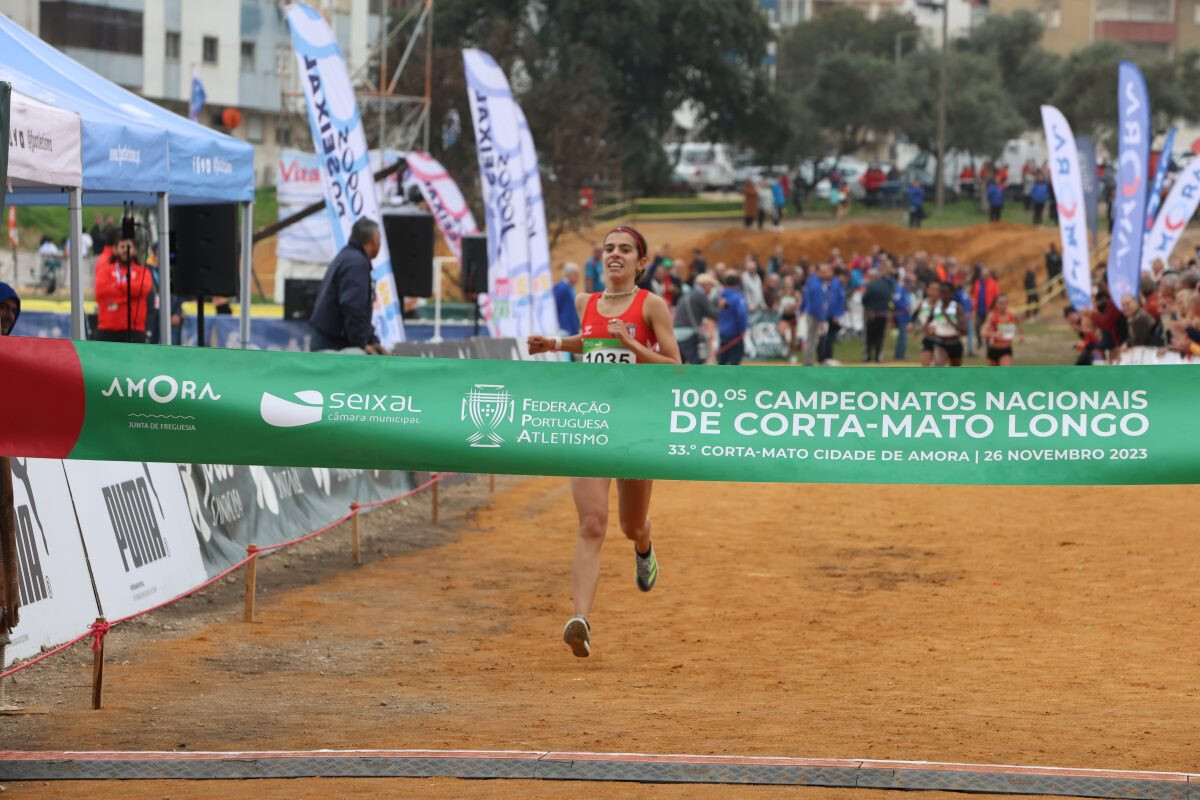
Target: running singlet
x=599, y=348
x=1006, y=330
x=944, y=317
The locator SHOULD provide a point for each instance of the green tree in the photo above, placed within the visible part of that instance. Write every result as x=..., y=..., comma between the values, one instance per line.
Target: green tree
x=1087, y=91
x=980, y=114
x=648, y=56
x=853, y=95
x=1027, y=73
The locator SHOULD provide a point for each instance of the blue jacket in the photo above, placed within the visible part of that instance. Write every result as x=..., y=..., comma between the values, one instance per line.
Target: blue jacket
x=995, y=195
x=902, y=301
x=824, y=302
x=564, y=300
x=777, y=191
x=916, y=196
x=964, y=299
x=734, y=319
x=343, y=308
x=1040, y=193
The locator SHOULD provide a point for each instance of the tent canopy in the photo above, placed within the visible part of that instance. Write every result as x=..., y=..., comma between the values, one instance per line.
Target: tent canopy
x=132, y=148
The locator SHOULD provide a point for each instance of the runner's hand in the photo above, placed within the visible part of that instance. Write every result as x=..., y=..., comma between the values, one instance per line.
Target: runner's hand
x=617, y=329
x=539, y=344
x=375, y=349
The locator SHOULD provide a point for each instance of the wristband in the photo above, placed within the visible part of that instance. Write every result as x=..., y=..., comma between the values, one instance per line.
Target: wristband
x=558, y=343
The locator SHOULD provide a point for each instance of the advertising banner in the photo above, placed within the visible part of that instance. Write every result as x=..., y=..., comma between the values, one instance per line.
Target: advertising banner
x=444, y=198
x=762, y=338
x=1069, y=196
x=1024, y=425
x=5, y=116
x=136, y=525
x=1090, y=181
x=1179, y=207
x=341, y=146
x=57, y=601
x=509, y=306
x=44, y=144
x=1160, y=178
x=232, y=506
x=1129, y=206
x=545, y=311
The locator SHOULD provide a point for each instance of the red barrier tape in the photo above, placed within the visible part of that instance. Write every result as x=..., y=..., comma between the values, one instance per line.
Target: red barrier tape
x=98, y=630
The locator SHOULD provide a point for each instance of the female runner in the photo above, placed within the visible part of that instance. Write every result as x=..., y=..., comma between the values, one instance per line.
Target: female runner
x=621, y=325
x=1001, y=327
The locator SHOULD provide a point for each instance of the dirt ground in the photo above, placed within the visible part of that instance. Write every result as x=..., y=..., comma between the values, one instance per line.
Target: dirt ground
x=1001, y=625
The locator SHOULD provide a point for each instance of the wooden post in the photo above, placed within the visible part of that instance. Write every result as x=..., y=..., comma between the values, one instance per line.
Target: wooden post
x=354, y=535
x=98, y=667
x=437, y=481
x=251, y=577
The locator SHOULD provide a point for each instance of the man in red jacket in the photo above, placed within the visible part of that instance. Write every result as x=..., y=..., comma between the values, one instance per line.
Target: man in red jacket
x=122, y=287
x=984, y=290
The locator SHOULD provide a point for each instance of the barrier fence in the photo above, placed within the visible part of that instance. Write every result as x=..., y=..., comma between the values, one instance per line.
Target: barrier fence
x=100, y=543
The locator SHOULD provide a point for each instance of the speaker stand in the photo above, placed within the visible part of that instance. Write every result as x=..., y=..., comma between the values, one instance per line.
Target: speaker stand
x=200, y=342
x=475, y=314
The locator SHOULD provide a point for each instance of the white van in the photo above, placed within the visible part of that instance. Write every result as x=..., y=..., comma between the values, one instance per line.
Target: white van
x=701, y=165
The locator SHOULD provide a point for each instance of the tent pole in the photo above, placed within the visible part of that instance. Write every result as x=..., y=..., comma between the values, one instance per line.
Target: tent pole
x=247, y=269
x=164, y=269
x=75, y=218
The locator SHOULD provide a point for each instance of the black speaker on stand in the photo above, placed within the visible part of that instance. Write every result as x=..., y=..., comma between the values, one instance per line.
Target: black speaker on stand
x=410, y=242
x=204, y=254
x=474, y=271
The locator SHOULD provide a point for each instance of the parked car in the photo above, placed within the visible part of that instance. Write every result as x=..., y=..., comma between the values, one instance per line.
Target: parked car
x=703, y=166
x=851, y=170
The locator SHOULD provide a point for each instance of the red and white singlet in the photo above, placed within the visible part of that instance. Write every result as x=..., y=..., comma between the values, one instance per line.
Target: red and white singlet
x=599, y=347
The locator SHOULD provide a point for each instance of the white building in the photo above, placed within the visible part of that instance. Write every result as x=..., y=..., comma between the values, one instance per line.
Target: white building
x=241, y=50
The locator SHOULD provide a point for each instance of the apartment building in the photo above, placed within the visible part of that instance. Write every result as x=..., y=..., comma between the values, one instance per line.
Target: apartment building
x=240, y=49
x=1160, y=27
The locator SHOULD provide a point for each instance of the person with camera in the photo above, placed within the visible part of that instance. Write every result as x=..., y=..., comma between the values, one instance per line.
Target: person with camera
x=123, y=287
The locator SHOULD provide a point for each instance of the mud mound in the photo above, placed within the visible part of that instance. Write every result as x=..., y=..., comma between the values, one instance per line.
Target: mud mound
x=1005, y=247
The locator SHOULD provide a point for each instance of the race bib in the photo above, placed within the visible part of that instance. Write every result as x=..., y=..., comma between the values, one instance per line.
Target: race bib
x=1006, y=331
x=607, y=351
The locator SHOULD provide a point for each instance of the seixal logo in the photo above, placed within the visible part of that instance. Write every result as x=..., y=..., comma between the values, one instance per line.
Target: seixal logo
x=283, y=413
x=487, y=404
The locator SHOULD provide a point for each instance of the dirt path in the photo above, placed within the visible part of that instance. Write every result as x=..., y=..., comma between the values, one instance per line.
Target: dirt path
x=993, y=625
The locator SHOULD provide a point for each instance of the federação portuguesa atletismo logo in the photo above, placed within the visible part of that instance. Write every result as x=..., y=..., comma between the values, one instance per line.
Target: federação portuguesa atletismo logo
x=487, y=405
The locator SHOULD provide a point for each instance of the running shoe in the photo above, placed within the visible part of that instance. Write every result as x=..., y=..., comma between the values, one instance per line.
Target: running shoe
x=576, y=635
x=647, y=569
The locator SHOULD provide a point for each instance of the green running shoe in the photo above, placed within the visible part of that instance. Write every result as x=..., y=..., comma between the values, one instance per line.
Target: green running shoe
x=647, y=569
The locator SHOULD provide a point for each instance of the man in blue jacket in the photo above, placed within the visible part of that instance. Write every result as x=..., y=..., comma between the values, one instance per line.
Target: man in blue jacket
x=916, y=203
x=1038, y=195
x=995, y=198
x=733, y=322
x=902, y=307
x=824, y=304
x=341, y=317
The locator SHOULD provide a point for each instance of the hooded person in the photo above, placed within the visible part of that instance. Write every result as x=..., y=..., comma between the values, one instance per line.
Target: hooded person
x=10, y=309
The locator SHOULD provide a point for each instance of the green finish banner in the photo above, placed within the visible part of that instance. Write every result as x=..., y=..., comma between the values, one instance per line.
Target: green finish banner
x=1018, y=425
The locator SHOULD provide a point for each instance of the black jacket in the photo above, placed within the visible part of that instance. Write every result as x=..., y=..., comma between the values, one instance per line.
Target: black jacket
x=343, y=308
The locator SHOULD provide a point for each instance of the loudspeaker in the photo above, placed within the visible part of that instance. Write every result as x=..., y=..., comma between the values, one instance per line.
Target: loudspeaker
x=300, y=298
x=204, y=250
x=410, y=242
x=475, y=264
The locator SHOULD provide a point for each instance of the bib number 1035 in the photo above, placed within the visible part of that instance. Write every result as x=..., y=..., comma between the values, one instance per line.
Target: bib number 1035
x=609, y=355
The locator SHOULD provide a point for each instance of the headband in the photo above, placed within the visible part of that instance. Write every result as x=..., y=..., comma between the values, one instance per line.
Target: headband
x=637, y=237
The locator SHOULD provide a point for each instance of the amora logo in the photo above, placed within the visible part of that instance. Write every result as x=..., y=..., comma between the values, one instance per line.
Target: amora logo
x=161, y=389
x=281, y=413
